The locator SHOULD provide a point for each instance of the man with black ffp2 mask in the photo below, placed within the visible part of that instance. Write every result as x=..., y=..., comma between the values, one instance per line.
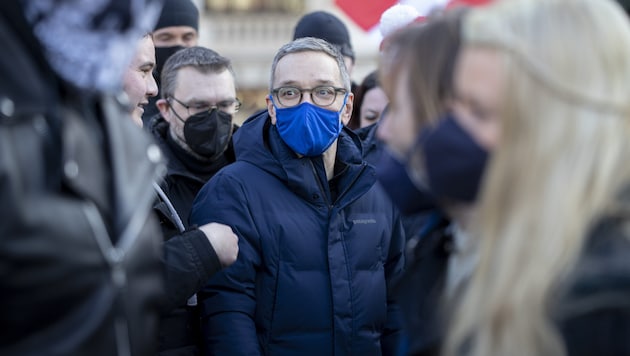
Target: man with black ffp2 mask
x=194, y=129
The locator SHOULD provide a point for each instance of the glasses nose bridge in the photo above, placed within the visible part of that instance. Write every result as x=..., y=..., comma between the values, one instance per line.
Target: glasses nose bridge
x=309, y=96
x=209, y=109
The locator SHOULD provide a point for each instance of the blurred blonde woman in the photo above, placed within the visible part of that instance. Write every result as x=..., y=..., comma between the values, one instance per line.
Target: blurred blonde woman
x=552, y=230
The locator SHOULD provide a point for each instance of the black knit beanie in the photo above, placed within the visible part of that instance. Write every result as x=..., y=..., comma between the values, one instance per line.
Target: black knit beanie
x=325, y=26
x=178, y=13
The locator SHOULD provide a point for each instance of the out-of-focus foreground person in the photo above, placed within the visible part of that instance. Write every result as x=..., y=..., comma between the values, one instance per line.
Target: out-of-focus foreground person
x=551, y=232
x=320, y=244
x=80, y=270
x=421, y=169
x=177, y=28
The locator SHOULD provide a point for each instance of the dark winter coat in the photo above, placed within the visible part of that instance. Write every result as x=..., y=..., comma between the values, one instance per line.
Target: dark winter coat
x=314, y=264
x=185, y=173
x=372, y=150
x=420, y=291
x=79, y=266
x=189, y=258
x=372, y=146
x=593, y=315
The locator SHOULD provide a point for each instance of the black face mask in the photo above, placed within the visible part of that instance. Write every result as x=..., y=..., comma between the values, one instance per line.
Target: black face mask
x=208, y=133
x=161, y=55
x=455, y=162
x=408, y=196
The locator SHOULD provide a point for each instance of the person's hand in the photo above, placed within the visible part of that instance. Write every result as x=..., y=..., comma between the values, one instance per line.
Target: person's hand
x=223, y=240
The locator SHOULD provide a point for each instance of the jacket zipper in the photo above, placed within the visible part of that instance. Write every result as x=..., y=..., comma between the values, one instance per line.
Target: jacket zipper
x=114, y=257
x=354, y=180
x=321, y=187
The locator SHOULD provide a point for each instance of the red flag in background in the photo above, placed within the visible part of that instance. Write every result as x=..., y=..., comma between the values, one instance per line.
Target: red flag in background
x=365, y=13
x=454, y=3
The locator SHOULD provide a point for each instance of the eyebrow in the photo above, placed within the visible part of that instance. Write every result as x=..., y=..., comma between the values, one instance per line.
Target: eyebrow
x=194, y=100
x=148, y=64
x=295, y=83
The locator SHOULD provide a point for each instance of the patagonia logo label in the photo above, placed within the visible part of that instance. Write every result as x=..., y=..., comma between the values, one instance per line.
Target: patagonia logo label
x=364, y=221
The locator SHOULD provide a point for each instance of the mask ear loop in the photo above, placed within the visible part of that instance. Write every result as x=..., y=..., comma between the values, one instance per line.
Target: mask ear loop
x=175, y=112
x=345, y=99
x=273, y=102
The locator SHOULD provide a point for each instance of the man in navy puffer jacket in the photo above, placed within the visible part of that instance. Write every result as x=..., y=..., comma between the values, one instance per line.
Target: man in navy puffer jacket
x=319, y=242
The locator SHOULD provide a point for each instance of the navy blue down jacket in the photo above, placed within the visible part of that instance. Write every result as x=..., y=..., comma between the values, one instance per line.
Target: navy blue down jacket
x=314, y=267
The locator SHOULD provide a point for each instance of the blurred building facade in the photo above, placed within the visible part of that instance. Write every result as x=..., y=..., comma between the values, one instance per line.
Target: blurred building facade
x=249, y=32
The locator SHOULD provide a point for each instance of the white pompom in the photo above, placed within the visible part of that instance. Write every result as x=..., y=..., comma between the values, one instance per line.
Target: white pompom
x=397, y=17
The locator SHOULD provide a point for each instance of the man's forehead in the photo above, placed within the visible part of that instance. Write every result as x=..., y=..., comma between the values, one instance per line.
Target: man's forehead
x=307, y=68
x=145, y=52
x=195, y=83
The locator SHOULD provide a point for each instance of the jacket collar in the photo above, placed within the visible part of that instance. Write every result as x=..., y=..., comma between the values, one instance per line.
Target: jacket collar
x=258, y=142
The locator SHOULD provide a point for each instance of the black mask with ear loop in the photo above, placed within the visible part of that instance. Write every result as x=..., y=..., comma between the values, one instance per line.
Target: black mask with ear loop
x=208, y=133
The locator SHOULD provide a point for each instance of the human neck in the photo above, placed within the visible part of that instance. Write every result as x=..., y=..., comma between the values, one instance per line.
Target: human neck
x=329, y=160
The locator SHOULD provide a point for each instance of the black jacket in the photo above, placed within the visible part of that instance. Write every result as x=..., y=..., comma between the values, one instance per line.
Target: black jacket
x=189, y=257
x=189, y=261
x=79, y=247
x=592, y=313
x=419, y=292
x=372, y=150
x=185, y=174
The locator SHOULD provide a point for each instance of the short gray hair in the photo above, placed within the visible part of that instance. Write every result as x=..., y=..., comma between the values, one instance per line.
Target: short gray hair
x=203, y=59
x=312, y=44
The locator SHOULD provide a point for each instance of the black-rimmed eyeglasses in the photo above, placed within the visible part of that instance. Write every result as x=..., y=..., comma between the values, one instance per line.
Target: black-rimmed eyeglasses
x=322, y=95
x=231, y=105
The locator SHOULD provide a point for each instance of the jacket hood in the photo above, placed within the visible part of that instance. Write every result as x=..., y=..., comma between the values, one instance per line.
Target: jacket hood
x=259, y=143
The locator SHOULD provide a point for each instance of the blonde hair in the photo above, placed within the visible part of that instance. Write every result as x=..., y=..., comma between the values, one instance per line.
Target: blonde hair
x=562, y=159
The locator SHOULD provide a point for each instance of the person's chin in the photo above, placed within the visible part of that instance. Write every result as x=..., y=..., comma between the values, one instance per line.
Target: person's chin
x=136, y=116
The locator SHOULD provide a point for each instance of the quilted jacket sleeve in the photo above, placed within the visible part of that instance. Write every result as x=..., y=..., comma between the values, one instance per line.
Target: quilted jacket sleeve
x=189, y=261
x=228, y=301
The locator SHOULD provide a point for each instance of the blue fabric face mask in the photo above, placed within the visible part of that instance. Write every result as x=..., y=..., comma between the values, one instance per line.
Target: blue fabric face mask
x=308, y=129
